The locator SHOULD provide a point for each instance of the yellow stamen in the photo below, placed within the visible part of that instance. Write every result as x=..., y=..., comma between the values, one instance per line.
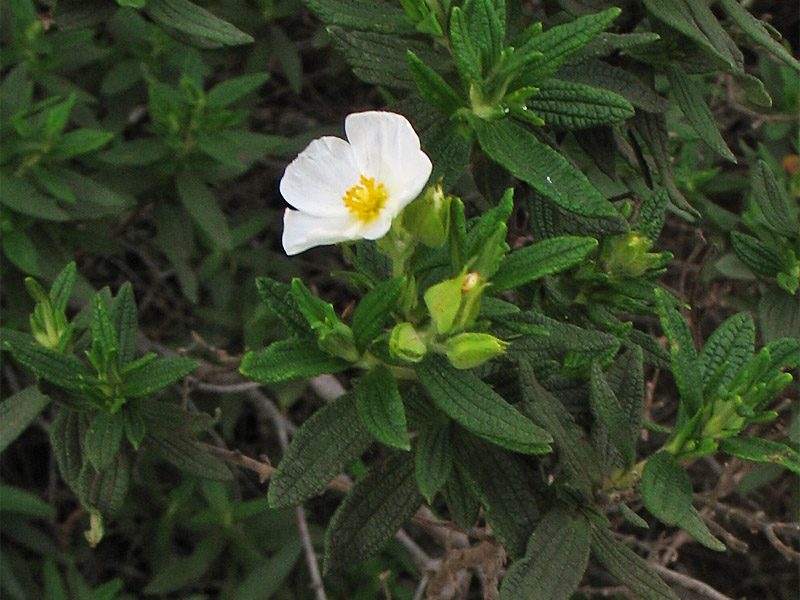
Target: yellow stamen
x=365, y=199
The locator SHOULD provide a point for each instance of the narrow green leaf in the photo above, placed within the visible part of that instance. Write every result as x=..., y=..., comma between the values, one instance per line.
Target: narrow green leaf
x=772, y=201
x=377, y=505
x=289, y=359
x=696, y=111
x=103, y=439
x=279, y=299
x=104, y=336
x=380, y=408
x=18, y=411
x=56, y=185
x=330, y=440
x=459, y=494
x=188, y=455
x=264, y=580
x=63, y=285
x=683, y=354
x=779, y=315
x=628, y=568
x=546, y=257
x=105, y=490
x=631, y=517
x=316, y=311
x=156, y=375
x=433, y=88
x=754, y=253
x=506, y=487
x=468, y=61
x=728, y=348
x=693, y=524
x=611, y=412
x=758, y=33
x=536, y=163
x=135, y=153
x=433, y=456
x=166, y=418
x=125, y=322
x=20, y=250
x=64, y=371
x=67, y=432
x=486, y=31
x=477, y=407
x=666, y=488
x=569, y=105
x=373, y=310
x=762, y=451
x=203, y=208
x=365, y=15
x=19, y=195
x=18, y=501
x=230, y=90
x=186, y=570
x=557, y=556
x=80, y=141
x=195, y=22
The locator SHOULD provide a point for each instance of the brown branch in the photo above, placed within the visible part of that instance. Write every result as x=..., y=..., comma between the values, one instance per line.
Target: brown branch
x=264, y=470
x=689, y=583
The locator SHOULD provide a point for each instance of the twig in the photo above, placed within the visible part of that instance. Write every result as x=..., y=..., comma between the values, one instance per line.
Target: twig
x=690, y=583
x=327, y=387
x=235, y=457
x=224, y=388
x=769, y=530
x=423, y=583
x=421, y=558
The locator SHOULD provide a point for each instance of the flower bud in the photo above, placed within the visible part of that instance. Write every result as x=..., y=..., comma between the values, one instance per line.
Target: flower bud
x=337, y=340
x=629, y=256
x=406, y=344
x=428, y=219
x=467, y=350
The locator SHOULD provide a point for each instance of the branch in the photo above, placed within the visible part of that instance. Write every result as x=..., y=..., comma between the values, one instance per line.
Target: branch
x=689, y=583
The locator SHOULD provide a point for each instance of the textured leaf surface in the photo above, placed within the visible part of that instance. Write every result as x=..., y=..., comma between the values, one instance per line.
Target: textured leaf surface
x=373, y=310
x=433, y=457
x=693, y=524
x=380, y=408
x=763, y=451
x=517, y=149
x=436, y=91
x=289, y=359
x=377, y=505
x=758, y=33
x=67, y=432
x=666, y=489
x=613, y=414
x=728, y=349
x=102, y=442
x=772, y=201
x=166, y=418
x=546, y=257
x=203, y=208
x=64, y=371
x=599, y=74
x=105, y=489
x=477, y=407
x=278, y=297
x=155, y=375
x=331, y=439
x=367, y=15
x=553, y=566
x=570, y=105
x=125, y=322
x=196, y=22
x=188, y=455
x=19, y=411
x=459, y=493
x=628, y=568
x=754, y=253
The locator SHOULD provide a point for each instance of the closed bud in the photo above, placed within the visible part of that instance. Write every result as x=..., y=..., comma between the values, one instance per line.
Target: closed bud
x=467, y=350
x=428, y=219
x=629, y=256
x=406, y=344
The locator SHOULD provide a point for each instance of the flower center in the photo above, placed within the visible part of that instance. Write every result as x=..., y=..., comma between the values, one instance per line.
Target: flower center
x=365, y=199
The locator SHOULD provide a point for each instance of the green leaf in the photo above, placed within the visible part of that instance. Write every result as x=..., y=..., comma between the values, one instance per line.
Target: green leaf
x=18, y=501
x=380, y=408
x=763, y=451
x=377, y=505
x=569, y=105
x=433, y=88
x=125, y=321
x=779, y=315
x=58, y=117
x=665, y=488
x=203, y=208
x=575, y=454
x=486, y=31
x=289, y=359
x=104, y=490
x=433, y=456
x=96, y=198
x=80, y=141
x=18, y=411
x=188, y=455
x=727, y=350
x=613, y=414
x=230, y=90
x=546, y=257
x=459, y=494
x=477, y=407
x=754, y=253
x=557, y=556
x=21, y=251
x=694, y=108
x=165, y=418
x=280, y=300
x=628, y=568
x=758, y=33
x=103, y=439
x=64, y=371
x=266, y=578
x=56, y=185
x=693, y=524
x=330, y=440
x=365, y=15
x=683, y=354
x=135, y=153
x=19, y=195
x=374, y=308
x=104, y=336
x=376, y=58
x=317, y=312
x=188, y=569
x=556, y=45
x=506, y=487
x=155, y=375
x=772, y=201
x=67, y=432
x=536, y=163
x=467, y=58
x=196, y=22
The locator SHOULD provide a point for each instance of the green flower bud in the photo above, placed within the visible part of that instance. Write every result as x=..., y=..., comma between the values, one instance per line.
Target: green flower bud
x=628, y=256
x=467, y=350
x=406, y=344
x=443, y=301
x=428, y=219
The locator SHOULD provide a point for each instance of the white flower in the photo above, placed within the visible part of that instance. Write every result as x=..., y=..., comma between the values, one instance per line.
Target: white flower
x=347, y=190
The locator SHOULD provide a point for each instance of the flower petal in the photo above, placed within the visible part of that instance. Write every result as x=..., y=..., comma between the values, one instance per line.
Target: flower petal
x=386, y=147
x=316, y=180
x=302, y=231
